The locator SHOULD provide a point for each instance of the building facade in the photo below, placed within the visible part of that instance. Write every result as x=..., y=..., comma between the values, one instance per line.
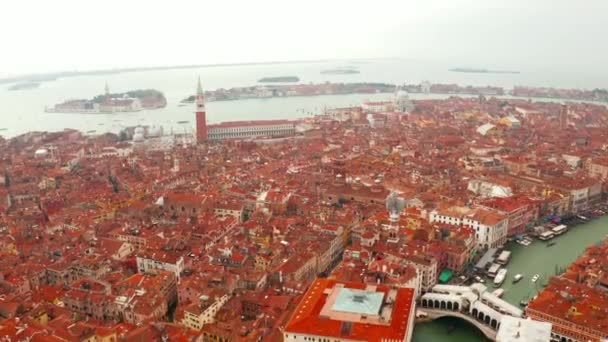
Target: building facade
x=251, y=129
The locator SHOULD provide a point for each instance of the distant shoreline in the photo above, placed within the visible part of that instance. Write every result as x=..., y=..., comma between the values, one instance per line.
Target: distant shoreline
x=483, y=71
x=51, y=76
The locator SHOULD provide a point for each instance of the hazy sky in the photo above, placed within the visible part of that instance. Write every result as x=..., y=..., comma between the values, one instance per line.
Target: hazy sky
x=56, y=35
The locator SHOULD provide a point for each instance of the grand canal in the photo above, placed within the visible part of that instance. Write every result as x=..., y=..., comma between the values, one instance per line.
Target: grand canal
x=527, y=260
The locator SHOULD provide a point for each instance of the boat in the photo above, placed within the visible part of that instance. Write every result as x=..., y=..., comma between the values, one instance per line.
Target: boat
x=535, y=278
x=523, y=302
x=183, y=122
x=558, y=230
x=493, y=270
x=551, y=243
x=503, y=258
x=582, y=217
x=517, y=278
x=546, y=235
x=498, y=292
x=500, y=277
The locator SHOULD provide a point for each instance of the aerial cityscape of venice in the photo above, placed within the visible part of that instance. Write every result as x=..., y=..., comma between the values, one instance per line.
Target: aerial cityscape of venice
x=340, y=198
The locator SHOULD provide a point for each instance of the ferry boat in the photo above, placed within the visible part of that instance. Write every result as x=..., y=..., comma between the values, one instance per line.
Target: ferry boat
x=503, y=258
x=498, y=292
x=500, y=277
x=493, y=270
x=546, y=235
x=559, y=230
x=517, y=278
x=535, y=278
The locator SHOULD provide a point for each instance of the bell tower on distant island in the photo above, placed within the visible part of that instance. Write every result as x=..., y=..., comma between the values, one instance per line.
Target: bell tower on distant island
x=201, y=115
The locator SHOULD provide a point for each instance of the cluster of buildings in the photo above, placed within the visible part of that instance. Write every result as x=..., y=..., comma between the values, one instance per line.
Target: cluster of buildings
x=576, y=303
x=268, y=91
x=329, y=233
x=132, y=101
x=574, y=94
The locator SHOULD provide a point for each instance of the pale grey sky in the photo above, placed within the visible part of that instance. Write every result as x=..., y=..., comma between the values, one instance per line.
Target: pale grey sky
x=45, y=35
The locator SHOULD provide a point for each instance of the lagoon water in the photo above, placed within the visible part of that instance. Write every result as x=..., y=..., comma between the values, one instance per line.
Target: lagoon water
x=23, y=111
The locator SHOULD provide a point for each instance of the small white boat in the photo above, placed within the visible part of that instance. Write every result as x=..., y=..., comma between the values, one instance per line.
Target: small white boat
x=517, y=277
x=498, y=292
x=524, y=242
x=535, y=278
x=500, y=277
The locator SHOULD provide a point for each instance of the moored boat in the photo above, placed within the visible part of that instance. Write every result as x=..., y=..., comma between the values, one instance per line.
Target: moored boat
x=500, y=277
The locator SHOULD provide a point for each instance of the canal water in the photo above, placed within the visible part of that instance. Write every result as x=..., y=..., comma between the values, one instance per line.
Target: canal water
x=536, y=258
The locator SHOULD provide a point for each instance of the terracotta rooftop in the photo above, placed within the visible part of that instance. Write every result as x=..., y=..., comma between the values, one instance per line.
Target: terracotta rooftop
x=307, y=318
x=574, y=303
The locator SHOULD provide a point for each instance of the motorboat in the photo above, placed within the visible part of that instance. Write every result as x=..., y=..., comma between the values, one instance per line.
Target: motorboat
x=535, y=278
x=500, y=277
x=517, y=278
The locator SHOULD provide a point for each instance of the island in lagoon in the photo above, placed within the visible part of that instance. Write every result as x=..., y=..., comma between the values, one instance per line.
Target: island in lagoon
x=281, y=79
x=284, y=90
x=24, y=86
x=483, y=71
x=130, y=101
x=340, y=71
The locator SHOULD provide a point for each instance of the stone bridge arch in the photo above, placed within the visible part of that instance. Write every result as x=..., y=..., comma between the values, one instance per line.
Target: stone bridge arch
x=487, y=330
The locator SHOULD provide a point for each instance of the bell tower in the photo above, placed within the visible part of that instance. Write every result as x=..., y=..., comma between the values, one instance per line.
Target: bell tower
x=201, y=115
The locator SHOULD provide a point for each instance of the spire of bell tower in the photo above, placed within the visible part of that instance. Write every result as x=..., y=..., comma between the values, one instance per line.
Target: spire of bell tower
x=199, y=88
x=107, y=90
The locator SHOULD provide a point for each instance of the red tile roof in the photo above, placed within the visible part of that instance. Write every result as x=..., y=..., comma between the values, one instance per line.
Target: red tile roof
x=307, y=320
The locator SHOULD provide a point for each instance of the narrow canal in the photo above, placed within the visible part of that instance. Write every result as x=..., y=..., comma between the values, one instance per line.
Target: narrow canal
x=527, y=260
